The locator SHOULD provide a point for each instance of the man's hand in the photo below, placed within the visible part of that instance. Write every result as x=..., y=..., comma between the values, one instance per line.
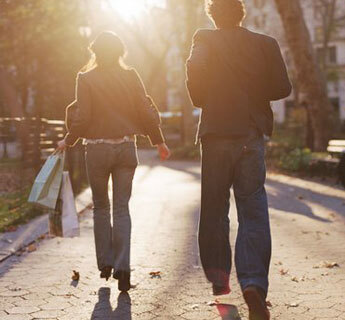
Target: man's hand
x=163, y=151
x=62, y=146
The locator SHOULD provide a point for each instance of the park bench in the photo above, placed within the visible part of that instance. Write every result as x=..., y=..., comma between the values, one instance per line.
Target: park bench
x=336, y=148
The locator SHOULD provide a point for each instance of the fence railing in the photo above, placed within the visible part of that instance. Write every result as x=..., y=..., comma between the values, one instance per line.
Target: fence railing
x=32, y=140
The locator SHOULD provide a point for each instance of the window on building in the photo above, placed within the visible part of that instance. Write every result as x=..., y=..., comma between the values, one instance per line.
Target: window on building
x=336, y=105
x=331, y=54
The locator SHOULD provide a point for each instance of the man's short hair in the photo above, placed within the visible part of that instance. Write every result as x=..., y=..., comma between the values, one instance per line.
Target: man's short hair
x=226, y=13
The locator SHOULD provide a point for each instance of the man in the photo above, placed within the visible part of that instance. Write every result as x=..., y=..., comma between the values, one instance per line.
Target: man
x=233, y=74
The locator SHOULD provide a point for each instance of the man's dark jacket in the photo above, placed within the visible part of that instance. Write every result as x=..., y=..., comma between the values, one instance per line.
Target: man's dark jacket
x=232, y=75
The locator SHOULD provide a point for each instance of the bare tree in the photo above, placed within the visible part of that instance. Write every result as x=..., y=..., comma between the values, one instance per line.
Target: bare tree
x=186, y=17
x=311, y=80
x=331, y=18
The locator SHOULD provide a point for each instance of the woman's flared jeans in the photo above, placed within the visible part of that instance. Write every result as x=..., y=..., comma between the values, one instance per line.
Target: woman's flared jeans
x=112, y=240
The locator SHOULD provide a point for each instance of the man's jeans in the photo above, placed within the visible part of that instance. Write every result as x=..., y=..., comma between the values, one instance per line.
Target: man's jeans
x=118, y=161
x=240, y=164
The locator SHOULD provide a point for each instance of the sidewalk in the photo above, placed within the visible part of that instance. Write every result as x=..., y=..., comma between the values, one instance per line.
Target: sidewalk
x=306, y=283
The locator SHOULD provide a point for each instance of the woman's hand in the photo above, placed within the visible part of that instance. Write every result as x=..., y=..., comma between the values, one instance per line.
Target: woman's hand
x=163, y=151
x=62, y=146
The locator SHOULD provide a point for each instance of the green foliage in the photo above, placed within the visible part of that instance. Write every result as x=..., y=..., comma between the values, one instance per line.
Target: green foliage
x=296, y=160
x=191, y=152
x=15, y=210
x=41, y=46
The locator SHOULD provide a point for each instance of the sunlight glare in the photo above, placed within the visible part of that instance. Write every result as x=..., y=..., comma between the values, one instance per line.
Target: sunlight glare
x=131, y=9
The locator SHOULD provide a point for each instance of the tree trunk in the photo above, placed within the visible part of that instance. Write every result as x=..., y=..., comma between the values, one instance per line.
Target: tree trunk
x=311, y=80
x=190, y=9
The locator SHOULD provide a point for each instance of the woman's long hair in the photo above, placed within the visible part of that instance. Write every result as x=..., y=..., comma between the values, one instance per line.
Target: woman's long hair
x=107, y=50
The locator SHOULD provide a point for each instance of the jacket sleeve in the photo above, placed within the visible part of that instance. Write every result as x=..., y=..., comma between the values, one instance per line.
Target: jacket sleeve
x=196, y=68
x=279, y=85
x=80, y=122
x=148, y=112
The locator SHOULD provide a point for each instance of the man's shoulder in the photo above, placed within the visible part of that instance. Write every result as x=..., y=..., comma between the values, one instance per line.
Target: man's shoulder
x=87, y=75
x=261, y=37
x=201, y=34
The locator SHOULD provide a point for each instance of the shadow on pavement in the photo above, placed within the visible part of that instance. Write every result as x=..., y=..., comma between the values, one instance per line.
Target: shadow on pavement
x=104, y=311
x=228, y=312
x=282, y=198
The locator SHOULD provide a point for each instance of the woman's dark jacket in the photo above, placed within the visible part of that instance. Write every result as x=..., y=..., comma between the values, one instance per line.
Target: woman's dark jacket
x=111, y=104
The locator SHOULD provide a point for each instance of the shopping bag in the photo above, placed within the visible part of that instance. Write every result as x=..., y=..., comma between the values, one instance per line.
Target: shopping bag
x=69, y=215
x=46, y=188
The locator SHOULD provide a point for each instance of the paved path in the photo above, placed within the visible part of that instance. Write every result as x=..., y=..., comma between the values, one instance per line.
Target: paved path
x=308, y=236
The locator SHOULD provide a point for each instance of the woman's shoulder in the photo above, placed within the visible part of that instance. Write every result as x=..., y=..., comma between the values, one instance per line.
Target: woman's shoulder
x=87, y=74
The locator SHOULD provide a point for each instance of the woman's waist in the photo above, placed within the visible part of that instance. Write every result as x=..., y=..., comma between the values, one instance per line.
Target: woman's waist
x=120, y=140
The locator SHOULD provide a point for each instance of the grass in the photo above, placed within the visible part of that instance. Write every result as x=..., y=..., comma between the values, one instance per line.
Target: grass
x=15, y=210
x=191, y=152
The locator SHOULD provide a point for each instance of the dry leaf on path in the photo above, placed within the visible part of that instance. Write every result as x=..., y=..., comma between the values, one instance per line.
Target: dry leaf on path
x=155, y=274
x=331, y=265
x=283, y=272
x=76, y=276
x=294, y=279
x=31, y=248
x=11, y=229
x=327, y=264
x=292, y=305
x=213, y=303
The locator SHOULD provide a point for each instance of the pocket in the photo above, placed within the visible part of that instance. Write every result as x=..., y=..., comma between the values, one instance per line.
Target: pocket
x=129, y=155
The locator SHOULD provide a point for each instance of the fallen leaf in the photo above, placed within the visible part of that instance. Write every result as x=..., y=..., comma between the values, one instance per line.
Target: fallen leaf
x=42, y=237
x=294, y=279
x=31, y=248
x=292, y=305
x=76, y=276
x=331, y=265
x=283, y=272
x=7, y=240
x=327, y=264
x=155, y=274
x=11, y=229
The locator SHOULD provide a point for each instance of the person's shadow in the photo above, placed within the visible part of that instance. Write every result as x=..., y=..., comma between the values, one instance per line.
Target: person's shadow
x=104, y=311
x=228, y=312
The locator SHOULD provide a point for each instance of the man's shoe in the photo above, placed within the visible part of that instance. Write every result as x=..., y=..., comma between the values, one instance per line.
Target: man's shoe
x=106, y=273
x=220, y=290
x=124, y=284
x=256, y=303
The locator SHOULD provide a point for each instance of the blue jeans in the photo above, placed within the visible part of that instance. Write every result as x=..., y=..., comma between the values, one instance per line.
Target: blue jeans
x=112, y=240
x=241, y=165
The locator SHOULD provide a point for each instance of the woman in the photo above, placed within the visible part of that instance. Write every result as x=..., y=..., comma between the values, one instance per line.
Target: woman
x=111, y=108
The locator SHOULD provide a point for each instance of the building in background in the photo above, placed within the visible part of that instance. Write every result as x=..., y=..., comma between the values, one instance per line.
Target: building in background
x=263, y=17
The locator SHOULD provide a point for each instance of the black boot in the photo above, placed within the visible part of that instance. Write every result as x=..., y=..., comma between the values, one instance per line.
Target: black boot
x=106, y=273
x=255, y=299
x=124, y=280
x=220, y=290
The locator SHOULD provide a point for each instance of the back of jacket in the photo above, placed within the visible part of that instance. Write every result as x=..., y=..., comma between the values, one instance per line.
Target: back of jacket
x=233, y=74
x=112, y=104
